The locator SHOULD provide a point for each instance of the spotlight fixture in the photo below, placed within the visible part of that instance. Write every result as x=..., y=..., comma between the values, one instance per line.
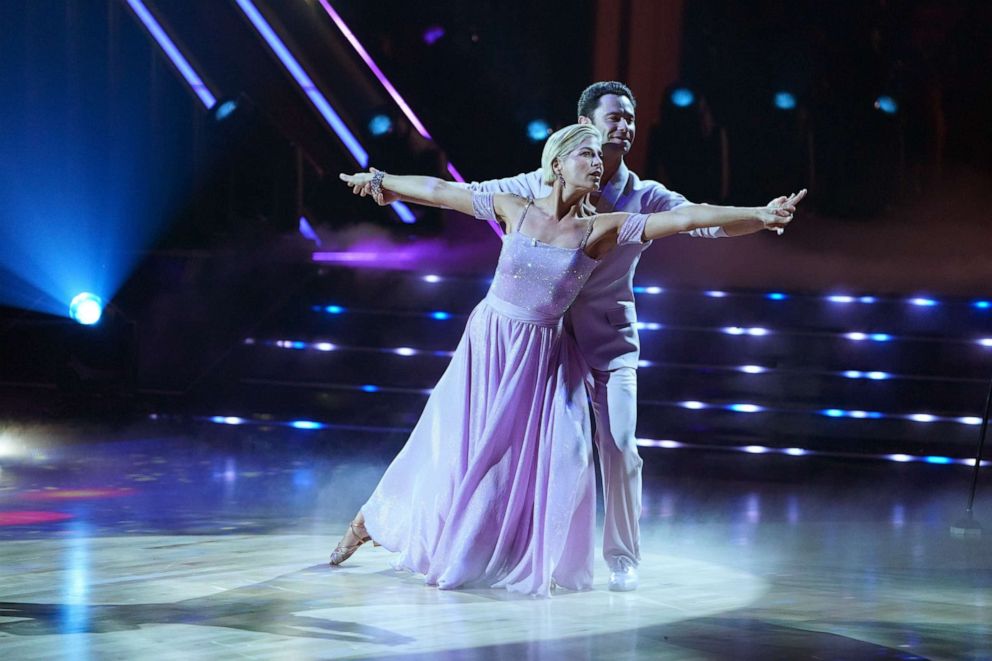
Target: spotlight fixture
x=86, y=308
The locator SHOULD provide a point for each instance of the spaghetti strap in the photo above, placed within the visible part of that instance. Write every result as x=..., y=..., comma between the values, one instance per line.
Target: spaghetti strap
x=520, y=223
x=585, y=239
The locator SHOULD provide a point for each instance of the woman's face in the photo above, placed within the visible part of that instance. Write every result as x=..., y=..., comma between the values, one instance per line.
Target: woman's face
x=582, y=168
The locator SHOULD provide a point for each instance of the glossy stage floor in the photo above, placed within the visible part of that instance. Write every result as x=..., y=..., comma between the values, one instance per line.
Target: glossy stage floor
x=183, y=540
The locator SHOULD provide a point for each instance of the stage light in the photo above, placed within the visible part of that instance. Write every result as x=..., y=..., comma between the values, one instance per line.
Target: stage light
x=886, y=104
x=716, y=294
x=923, y=302
x=405, y=351
x=755, y=449
x=937, y=460
x=538, y=130
x=970, y=420
x=695, y=406
x=653, y=290
x=922, y=417
x=370, y=388
x=795, y=452
x=380, y=125
x=306, y=424
x=325, y=346
x=982, y=305
x=745, y=408
x=878, y=376
x=432, y=278
x=752, y=369
x=440, y=316
x=840, y=299
x=785, y=101
x=833, y=413
x=899, y=457
x=985, y=341
x=225, y=110
x=433, y=34
x=227, y=420
x=776, y=296
x=867, y=299
x=86, y=308
x=334, y=309
x=880, y=337
x=682, y=97
x=734, y=330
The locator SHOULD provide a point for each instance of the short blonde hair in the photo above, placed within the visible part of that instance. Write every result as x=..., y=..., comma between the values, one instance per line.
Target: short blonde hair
x=562, y=142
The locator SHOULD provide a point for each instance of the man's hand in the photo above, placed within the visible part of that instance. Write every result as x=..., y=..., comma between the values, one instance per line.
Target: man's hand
x=775, y=208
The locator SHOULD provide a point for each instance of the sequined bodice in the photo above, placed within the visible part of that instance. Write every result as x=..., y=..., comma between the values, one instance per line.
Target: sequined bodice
x=538, y=277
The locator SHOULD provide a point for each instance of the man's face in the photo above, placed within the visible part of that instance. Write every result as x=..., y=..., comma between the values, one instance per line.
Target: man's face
x=614, y=117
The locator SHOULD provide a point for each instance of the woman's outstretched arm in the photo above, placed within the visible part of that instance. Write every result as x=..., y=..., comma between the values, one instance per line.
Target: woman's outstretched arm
x=429, y=191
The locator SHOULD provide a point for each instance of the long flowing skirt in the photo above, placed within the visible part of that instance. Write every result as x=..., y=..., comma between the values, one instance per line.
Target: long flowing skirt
x=495, y=486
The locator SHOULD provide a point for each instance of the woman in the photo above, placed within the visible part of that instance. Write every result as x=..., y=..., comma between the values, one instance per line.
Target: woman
x=495, y=486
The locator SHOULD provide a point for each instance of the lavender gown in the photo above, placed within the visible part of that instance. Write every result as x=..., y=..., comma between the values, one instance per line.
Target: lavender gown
x=495, y=486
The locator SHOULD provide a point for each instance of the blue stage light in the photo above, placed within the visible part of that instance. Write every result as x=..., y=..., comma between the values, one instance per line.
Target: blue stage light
x=86, y=308
x=833, y=413
x=225, y=110
x=886, y=104
x=370, y=388
x=538, y=130
x=306, y=424
x=776, y=296
x=682, y=97
x=380, y=125
x=334, y=309
x=923, y=302
x=745, y=408
x=880, y=337
x=937, y=460
x=785, y=101
x=440, y=316
x=982, y=305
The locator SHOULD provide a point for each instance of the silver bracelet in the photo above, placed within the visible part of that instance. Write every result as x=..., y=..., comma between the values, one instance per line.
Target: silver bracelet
x=376, y=185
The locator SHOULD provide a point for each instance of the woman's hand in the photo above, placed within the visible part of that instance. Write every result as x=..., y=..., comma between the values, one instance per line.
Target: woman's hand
x=361, y=185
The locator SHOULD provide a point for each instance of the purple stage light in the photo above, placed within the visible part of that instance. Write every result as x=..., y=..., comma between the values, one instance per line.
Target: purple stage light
x=433, y=34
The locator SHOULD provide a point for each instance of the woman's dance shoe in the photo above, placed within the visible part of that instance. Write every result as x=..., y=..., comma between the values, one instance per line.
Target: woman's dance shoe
x=344, y=551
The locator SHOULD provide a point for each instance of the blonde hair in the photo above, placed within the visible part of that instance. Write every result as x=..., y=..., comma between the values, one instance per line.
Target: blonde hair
x=561, y=142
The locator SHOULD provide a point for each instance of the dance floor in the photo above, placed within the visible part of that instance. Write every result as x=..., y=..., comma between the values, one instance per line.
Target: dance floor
x=181, y=540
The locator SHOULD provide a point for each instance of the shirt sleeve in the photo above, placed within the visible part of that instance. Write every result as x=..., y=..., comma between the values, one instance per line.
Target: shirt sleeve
x=663, y=199
x=527, y=185
x=632, y=230
x=483, y=206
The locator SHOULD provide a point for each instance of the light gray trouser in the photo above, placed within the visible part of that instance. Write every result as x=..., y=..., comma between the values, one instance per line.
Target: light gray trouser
x=614, y=401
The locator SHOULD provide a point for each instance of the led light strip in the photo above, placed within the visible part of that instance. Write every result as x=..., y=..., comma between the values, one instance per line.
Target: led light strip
x=391, y=90
x=181, y=63
x=873, y=375
x=313, y=425
x=693, y=405
x=754, y=331
x=655, y=290
x=314, y=94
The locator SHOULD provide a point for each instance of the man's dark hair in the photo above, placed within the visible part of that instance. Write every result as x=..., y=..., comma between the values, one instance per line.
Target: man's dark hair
x=590, y=95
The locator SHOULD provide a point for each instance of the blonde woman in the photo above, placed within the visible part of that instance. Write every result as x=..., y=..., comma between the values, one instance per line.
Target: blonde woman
x=495, y=486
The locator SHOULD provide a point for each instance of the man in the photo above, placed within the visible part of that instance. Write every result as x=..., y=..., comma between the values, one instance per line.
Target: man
x=603, y=317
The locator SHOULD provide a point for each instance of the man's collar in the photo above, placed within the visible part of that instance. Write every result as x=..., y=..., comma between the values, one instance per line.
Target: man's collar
x=613, y=189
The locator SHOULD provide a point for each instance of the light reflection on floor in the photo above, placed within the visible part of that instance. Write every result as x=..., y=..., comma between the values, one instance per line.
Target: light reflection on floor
x=215, y=540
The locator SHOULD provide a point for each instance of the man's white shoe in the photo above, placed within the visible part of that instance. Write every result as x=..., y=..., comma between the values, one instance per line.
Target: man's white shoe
x=624, y=578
